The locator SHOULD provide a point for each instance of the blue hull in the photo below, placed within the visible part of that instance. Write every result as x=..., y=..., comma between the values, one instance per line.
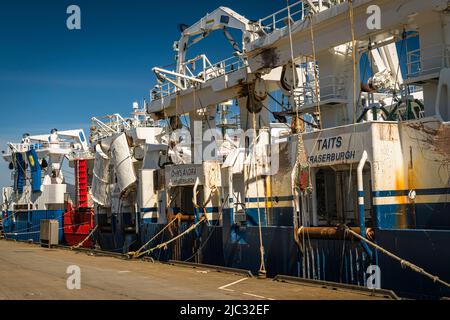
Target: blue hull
x=118, y=241
x=428, y=249
x=327, y=260
x=26, y=225
x=204, y=245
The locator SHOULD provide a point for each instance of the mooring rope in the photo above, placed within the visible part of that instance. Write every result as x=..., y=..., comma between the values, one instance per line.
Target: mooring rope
x=137, y=254
x=404, y=263
x=85, y=239
x=165, y=244
x=211, y=233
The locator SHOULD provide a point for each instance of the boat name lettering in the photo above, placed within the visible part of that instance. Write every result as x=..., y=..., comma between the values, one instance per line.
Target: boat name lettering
x=332, y=157
x=329, y=143
x=176, y=173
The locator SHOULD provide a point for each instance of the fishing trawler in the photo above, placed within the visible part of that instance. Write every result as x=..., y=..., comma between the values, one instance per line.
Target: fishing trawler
x=348, y=181
x=121, y=182
x=335, y=167
x=41, y=191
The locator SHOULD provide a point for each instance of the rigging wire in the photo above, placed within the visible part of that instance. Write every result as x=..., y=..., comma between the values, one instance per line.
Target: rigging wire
x=355, y=66
x=301, y=157
x=316, y=80
x=352, y=25
x=253, y=165
x=262, y=268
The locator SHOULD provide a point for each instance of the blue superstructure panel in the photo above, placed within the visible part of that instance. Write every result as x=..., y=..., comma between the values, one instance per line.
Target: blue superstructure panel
x=19, y=179
x=35, y=169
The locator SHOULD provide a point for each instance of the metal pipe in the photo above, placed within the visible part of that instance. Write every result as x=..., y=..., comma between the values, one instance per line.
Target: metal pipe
x=194, y=197
x=362, y=222
x=332, y=233
x=315, y=216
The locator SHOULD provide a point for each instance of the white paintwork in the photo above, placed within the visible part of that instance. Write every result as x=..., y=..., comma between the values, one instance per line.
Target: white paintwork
x=122, y=162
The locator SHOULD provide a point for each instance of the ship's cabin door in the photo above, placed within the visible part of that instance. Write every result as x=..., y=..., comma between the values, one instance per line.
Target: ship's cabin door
x=181, y=200
x=336, y=196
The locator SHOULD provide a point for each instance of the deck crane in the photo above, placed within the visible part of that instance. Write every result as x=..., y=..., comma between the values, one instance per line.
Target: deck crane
x=220, y=19
x=211, y=83
x=231, y=78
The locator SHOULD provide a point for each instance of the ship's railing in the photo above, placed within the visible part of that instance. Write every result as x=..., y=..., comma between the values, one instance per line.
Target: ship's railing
x=427, y=60
x=223, y=67
x=25, y=147
x=297, y=11
x=113, y=124
x=413, y=89
x=330, y=87
x=62, y=145
x=209, y=72
x=79, y=154
x=278, y=20
x=163, y=90
x=22, y=147
x=108, y=125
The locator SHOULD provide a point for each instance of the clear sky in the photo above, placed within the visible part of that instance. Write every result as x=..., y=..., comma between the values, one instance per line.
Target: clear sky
x=52, y=77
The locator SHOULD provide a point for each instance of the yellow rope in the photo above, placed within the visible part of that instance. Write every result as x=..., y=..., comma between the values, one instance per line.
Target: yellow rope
x=165, y=244
x=137, y=253
x=85, y=239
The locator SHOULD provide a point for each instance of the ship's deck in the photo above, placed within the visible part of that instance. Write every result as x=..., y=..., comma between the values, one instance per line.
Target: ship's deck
x=28, y=271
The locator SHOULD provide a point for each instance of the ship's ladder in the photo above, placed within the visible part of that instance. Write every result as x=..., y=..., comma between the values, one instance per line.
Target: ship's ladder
x=81, y=177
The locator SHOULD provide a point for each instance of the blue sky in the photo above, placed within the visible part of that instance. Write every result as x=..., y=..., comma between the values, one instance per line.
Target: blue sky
x=51, y=77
